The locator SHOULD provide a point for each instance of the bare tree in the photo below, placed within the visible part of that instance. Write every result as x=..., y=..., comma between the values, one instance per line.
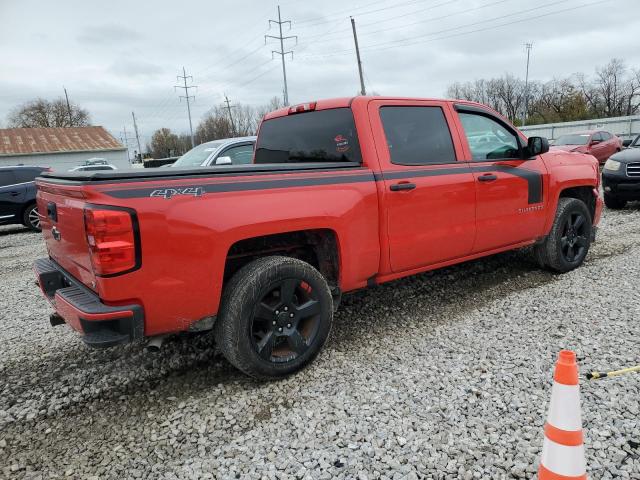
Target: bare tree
x=164, y=143
x=44, y=113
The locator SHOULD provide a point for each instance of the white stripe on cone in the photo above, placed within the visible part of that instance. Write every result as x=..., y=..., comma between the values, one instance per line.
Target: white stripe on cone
x=564, y=411
x=562, y=460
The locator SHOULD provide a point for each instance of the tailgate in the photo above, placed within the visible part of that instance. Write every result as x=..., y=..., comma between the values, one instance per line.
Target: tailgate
x=61, y=210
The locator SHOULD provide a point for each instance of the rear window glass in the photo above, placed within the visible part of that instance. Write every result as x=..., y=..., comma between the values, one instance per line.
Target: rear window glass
x=319, y=136
x=24, y=175
x=6, y=178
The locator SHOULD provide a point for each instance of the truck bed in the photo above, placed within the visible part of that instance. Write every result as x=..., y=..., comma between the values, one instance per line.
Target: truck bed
x=175, y=173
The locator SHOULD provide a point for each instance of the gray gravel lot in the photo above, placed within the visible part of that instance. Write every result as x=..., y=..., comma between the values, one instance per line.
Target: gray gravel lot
x=443, y=375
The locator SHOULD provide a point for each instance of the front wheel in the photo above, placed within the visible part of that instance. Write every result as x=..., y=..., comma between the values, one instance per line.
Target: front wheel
x=275, y=316
x=567, y=245
x=30, y=218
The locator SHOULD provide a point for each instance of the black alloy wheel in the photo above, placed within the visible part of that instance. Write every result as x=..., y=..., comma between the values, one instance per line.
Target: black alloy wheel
x=286, y=320
x=574, y=238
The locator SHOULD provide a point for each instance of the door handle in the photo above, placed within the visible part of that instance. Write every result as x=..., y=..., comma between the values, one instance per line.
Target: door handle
x=487, y=177
x=402, y=186
x=14, y=194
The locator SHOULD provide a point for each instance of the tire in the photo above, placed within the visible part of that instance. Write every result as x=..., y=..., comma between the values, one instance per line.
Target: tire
x=275, y=317
x=567, y=245
x=30, y=218
x=613, y=202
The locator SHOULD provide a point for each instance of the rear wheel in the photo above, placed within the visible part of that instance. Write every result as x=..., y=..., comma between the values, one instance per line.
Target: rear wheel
x=613, y=202
x=30, y=218
x=275, y=316
x=567, y=245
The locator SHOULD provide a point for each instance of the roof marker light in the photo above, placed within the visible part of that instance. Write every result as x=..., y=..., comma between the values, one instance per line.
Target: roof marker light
x=303, y=107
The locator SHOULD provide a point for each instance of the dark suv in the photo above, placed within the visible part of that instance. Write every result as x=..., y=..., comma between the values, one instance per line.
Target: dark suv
x=18, y=196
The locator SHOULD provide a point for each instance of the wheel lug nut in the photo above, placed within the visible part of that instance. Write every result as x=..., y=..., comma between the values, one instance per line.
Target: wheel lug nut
x=277, y=312
x=286, y=308
x=291, y=315
x=280, y=329
x=274, y=322
x=288, y=325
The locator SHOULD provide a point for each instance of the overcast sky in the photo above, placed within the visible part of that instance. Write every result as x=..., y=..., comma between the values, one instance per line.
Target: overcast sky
x=120, y=56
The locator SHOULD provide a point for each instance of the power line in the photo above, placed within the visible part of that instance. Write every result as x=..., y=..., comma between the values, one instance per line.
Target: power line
x=186, y=96
x=282, y=52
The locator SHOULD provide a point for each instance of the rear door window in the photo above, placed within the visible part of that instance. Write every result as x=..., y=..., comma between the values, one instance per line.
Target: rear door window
x=417, y=135
x=26, y=175
x=7, y=178
x=317, y=136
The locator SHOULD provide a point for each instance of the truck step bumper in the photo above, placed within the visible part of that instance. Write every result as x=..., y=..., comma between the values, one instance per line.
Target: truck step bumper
x=100, y=325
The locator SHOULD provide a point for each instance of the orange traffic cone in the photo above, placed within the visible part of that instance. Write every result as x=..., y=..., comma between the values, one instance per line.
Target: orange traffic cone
x=563, y=448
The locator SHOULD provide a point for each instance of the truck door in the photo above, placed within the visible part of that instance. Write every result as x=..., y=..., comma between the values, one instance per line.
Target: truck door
x=509, y=188
x=429, y=196
x=11, y=195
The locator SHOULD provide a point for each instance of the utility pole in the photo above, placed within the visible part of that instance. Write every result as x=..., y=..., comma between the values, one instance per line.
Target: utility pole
x=186, y=96
x=526, y=86
x=355, y=40
x=124, y=138
x=68, y=107
x=282, y=53
x=229, y=107
x=135, y=127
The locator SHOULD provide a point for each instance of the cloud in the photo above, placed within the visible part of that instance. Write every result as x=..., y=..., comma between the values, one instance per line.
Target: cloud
x=107, y=35
x=134, y=68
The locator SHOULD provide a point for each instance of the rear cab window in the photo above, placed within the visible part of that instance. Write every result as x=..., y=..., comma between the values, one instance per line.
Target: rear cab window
x=316, y=136
x=24, y=175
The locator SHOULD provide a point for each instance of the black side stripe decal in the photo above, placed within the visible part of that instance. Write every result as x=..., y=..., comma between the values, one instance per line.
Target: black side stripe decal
x=533, y=179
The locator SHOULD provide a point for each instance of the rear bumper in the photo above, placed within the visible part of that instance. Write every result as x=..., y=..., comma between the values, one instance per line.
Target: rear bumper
x=100, y=325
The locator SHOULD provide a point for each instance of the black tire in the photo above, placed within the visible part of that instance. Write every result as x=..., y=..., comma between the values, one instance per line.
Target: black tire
x=275, y=317
x=613, y=202
x=30, y=218
x=567, y=245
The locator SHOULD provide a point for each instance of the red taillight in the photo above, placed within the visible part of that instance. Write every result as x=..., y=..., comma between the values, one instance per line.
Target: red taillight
x=111, y=239
x=303, y=107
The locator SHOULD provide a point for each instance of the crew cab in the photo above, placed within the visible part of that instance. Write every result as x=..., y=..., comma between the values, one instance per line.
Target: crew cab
x=341, y=195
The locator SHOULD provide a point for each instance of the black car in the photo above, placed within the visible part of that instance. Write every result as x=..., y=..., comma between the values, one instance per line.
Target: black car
x=18, y=196
x=621, y=176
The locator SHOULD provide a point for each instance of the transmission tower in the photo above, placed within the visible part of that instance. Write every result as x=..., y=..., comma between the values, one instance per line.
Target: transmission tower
x=187, y=97
x=281, y=52
x=228, y=106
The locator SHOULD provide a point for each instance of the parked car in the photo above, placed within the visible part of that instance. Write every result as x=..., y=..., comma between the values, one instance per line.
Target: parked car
x=226, y=151
x=93, y=168
x=598, y=143
x=96, y=161
x=621, y=176
x=18, y=196
x=342, y=194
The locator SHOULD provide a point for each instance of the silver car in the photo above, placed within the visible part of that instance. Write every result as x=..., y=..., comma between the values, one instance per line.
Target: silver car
x=226, y=151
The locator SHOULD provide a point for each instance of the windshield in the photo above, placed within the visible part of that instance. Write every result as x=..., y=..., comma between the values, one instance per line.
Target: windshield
x=636, y=142
x=196, y=156
x=318, y=136
x=576, y=139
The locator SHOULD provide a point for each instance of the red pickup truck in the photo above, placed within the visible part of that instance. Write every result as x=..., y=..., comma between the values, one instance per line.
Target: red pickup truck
x=342, y=194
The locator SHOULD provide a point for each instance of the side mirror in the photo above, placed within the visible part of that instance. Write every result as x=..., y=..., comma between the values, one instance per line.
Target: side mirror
x=224, y=161
x=626, y=143
x=594, y=142
x=537, y=146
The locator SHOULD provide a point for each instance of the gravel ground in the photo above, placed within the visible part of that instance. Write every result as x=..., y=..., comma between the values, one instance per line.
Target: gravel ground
x=443, y=375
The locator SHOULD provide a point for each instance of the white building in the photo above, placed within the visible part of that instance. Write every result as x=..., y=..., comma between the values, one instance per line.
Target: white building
x=60, y=148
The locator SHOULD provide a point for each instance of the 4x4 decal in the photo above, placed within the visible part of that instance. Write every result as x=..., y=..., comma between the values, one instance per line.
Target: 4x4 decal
x=172, y=192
